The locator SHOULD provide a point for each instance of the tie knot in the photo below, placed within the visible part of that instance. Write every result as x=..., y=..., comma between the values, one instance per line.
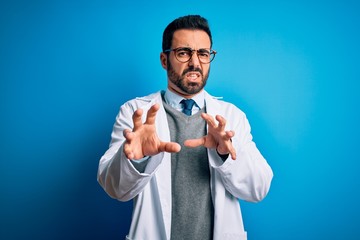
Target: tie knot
x=188, y=104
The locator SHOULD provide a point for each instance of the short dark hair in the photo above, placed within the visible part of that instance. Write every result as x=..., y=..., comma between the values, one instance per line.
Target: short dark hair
x=195, y=22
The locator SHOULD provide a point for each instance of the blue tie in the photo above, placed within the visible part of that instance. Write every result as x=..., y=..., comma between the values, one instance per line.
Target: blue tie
x=188, y=104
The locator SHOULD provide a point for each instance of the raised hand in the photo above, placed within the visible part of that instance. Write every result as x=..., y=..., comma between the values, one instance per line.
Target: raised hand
x=216, y=138
x=142, y=140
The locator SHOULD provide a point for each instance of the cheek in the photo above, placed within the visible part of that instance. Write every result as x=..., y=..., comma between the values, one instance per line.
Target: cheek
x=179, y=69
x=206, y=70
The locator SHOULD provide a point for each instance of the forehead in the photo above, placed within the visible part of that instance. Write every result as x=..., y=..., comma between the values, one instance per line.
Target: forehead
x=191, y=38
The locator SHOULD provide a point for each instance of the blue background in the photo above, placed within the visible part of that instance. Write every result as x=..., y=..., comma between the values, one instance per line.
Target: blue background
x=67, y=66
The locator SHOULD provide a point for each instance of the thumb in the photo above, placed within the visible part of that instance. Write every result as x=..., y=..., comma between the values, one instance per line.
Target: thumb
x=170, y=147
x=195, y=142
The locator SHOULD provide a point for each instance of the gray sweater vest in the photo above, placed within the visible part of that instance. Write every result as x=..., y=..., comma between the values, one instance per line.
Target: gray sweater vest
x=192, y=207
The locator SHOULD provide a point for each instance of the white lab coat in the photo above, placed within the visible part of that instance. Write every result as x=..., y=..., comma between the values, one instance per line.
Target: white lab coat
x=247, y=178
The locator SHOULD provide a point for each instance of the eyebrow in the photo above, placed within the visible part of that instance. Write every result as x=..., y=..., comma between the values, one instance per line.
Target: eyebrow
x=191, y=48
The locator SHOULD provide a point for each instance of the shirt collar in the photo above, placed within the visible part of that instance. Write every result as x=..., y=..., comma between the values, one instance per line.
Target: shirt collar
x=174, y=100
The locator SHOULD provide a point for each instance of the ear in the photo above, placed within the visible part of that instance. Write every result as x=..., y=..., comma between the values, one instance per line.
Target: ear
x=163, y=60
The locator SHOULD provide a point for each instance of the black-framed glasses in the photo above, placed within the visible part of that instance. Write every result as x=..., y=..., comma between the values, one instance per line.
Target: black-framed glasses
x=184, y=54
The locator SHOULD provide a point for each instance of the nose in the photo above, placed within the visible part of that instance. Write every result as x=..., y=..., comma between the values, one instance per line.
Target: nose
x=194, y=60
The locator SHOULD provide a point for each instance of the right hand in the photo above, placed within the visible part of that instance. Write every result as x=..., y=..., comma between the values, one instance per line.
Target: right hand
x=142, y=140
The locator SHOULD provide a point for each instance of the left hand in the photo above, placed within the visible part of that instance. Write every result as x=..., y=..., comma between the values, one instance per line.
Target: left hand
x=216, y=138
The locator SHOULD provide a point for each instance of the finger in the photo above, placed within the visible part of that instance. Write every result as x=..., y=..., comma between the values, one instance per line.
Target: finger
x=151, y=114
x=221, y=121
x=128, y=134
x=232, y=153
x=231, y=148
x=209, y=119
x=195, y=142
x=137, y=118
x=170, y=147
x=128, y=152
x=229, y=134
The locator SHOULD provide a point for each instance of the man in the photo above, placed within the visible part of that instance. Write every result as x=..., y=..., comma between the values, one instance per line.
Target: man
x=184, y=164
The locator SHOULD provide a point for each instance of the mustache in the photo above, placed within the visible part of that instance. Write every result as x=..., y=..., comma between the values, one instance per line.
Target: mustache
x=192, y=69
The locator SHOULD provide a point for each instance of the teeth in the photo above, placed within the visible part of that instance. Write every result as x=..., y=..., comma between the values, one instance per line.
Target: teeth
x=193, y=75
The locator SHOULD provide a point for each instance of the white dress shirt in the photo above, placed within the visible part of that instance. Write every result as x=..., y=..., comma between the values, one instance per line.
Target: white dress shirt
x=174, y=101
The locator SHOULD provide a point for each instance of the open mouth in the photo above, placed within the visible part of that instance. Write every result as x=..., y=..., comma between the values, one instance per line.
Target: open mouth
x=193, y=75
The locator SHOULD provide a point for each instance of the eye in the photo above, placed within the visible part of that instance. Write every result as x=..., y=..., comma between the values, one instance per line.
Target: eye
x=183, y=52
x=204, y=53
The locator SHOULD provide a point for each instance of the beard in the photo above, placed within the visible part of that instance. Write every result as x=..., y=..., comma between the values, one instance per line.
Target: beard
x=179, y=81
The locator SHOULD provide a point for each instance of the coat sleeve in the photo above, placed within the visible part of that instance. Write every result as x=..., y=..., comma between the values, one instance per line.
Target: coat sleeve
x=249, y=176
x=116, y=174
